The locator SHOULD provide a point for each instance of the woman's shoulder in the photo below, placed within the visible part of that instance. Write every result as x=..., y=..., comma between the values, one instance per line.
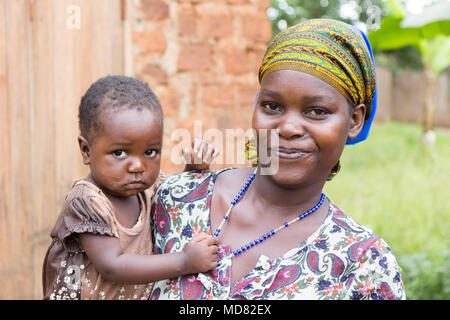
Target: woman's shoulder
x=357, y=239
x=341, y=221
x=189, y=180
x=187, y=177
x=375, y=262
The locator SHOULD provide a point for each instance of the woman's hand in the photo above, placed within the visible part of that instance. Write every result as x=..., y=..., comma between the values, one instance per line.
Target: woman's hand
x=200, y=255
x=200, y=155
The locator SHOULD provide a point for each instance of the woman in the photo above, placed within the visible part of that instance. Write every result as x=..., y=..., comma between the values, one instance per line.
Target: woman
x=280, y=236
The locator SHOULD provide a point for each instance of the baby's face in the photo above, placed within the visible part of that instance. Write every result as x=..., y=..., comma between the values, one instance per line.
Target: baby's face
x=125, y=155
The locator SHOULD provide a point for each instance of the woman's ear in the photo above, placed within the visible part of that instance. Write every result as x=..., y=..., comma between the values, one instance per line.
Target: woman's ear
x=85, y=149
x=357, y=117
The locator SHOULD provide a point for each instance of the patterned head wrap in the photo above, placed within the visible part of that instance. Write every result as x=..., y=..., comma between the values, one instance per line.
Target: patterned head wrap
x=332, y=51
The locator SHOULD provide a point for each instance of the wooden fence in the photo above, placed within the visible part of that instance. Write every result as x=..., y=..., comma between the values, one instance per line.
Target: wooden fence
x=50, y=52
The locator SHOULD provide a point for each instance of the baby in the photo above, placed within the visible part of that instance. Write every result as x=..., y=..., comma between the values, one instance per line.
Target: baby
x=102, y=244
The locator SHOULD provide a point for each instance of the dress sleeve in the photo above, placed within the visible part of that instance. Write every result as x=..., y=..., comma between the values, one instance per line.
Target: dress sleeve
x=378, y=276
x=87, y=213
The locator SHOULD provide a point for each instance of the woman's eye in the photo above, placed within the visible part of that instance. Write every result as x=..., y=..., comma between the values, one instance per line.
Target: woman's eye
x=119, y=154
x=270, y=106
x=317, y=112
x=150, y=153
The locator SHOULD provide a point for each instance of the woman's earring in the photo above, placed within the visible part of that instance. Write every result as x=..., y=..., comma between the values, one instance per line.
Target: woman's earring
x=334, y=171
x=251, y=152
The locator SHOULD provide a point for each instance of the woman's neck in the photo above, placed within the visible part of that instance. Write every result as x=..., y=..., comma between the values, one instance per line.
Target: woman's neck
x=266, y=190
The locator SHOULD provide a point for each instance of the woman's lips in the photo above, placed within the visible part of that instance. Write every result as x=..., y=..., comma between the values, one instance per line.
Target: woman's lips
x=290, y=153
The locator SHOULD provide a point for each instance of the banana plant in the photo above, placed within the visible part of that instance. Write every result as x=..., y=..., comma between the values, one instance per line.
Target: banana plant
x=430, y=33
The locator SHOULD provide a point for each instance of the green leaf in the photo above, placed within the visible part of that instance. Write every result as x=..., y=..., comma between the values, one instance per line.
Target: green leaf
x=436, y=53
x=391, y=35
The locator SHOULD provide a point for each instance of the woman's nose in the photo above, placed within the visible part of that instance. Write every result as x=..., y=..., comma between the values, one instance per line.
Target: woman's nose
x=291, y=126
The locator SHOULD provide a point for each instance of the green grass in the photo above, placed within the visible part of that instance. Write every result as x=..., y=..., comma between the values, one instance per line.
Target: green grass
x=392, y=185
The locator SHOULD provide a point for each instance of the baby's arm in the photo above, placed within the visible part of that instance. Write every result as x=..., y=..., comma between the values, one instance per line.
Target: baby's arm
x=199, y=255
x=200, y=155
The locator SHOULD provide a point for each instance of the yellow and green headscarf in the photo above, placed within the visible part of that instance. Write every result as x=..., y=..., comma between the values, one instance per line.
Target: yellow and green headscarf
x=332, y=51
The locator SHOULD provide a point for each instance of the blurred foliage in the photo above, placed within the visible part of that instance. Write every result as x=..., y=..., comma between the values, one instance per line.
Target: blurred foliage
x=425, y=35
x=362, y=13
x=429, y=32
x=386, y=184
x=400, y=60
x=365, y=14
x=426, y=276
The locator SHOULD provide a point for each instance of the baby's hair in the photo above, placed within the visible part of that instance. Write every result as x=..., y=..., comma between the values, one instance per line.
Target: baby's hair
x=112, y=93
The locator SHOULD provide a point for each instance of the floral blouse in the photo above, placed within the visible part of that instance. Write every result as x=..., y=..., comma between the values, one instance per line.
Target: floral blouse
x=341, y=260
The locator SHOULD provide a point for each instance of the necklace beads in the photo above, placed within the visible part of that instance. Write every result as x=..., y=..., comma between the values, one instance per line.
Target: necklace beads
x=271, y=232
x=284, y=225
x=235, y=200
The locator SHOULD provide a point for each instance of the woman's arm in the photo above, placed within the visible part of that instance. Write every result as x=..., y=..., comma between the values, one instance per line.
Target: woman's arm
x=199, y=255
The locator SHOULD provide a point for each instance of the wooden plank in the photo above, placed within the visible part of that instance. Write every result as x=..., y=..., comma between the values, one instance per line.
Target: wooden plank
x=106, y=32
x=5, y=163
x=81, y=65
x=128, y=14
x=44, y=162
x=66, y=102
x=45, y=67
x=17, y=268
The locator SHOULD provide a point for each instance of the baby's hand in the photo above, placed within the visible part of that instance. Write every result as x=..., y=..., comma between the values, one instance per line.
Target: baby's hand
x=200, y=254
x=200, y=155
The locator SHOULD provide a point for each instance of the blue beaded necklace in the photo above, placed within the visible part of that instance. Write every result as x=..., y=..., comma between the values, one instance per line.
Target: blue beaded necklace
x=271, y=232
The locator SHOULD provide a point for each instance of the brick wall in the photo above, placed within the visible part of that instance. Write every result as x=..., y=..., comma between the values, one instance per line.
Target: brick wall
x=201, y=58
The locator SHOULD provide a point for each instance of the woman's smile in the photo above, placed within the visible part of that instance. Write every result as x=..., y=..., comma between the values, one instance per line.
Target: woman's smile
x=290, y=153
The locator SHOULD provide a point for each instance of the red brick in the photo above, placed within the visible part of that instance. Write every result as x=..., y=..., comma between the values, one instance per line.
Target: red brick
x=218, y=95
x=187, y=21
x=263, y=5
x=154, y=74
x=192, y=1
x=235, y=61
x=196, y=125
x=194, y=57
x=238, y=1
x=246, y=95
x=169, y=100
x=254, y=56
x=155, y=9
x=150, y=41
x=216, y=25
x=256, y=28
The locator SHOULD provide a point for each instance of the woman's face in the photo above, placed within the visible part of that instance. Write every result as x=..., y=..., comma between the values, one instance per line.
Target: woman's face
x=313, y=121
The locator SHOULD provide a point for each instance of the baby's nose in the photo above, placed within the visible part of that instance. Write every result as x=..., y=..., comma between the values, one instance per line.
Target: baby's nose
x=136, y=165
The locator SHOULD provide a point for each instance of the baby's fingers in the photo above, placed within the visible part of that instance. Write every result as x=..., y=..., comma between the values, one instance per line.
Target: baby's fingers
x=212, y=241
x=188, y=155
x=210, y=154
x=200, y=237
x=199, y=148
x=213, y=265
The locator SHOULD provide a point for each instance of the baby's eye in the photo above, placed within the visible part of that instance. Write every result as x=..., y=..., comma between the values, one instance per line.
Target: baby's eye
x=270, y=106
x=119, y=154
x=150, y=153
